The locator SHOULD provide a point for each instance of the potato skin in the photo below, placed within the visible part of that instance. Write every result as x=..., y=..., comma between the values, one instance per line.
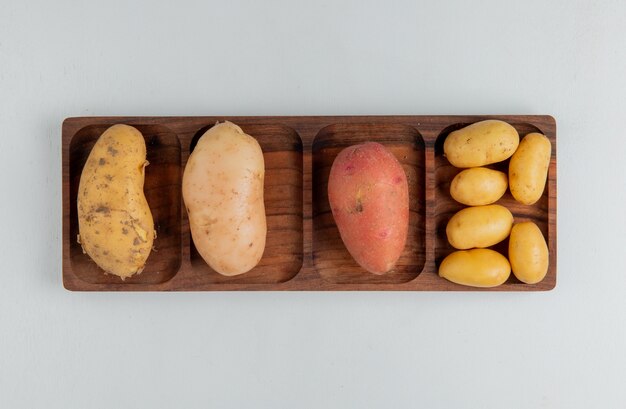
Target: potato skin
x=369, y=197
x=481, y=143
x=528, y=253
x=479, y=226
x=115, y=224
x=223, y=194
x=528, y=168
x=478, y=186
x=475, y=268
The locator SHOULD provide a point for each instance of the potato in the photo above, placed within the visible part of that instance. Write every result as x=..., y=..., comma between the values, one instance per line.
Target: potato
x=223, y=194
x=476, y=268
x=480, y=226
x=528, y=168
x=114, y=221
x=480, y=144
x=528, y=253
x=478, y=186
x=369, y=197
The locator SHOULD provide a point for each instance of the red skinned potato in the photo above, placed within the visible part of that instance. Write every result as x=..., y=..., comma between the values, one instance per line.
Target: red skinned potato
x=369, y=197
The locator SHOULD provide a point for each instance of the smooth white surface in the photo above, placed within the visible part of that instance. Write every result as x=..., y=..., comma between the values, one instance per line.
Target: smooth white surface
x=562, y=349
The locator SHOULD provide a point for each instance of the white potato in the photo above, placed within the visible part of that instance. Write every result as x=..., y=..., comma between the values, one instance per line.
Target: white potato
x=223, y=194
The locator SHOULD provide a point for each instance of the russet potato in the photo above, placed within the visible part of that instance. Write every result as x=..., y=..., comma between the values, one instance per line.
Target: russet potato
x=115, y=223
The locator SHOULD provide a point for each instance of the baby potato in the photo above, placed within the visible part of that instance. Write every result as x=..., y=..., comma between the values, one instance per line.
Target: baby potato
x=528, y=253
x=528, y=169
x=475, y=268
x=223, y=194
x=481, y=143
x=114, y=221
x=368, y=194
x=480, y=226
x=478, y=186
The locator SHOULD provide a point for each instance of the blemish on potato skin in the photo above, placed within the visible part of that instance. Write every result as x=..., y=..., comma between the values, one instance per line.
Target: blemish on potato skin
x=102, y=162
x=102, y=209
x=124, y=230
x=136, y=241
x=359, y=205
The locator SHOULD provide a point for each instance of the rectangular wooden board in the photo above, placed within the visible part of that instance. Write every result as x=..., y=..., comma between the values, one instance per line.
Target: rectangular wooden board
x=304, y=250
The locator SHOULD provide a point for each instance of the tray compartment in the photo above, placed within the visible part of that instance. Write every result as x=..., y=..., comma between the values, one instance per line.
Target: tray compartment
x=282, y=258
x=162, y=189
x=446, y=207
x=330, y=256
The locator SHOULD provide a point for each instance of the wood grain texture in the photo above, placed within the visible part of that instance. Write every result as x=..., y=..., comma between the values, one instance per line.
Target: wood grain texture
x=304, y=250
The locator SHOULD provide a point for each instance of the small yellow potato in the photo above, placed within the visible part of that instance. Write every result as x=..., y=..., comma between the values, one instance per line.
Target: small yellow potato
x=223, y=195
x=480, y=226
x=114, y=221
x=528, y=169
x=481, y=143
x=478, y=186
x=528, y=253
x=475, y=268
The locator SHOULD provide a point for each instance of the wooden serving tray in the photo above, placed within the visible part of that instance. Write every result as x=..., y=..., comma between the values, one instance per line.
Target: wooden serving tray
x=304, y=250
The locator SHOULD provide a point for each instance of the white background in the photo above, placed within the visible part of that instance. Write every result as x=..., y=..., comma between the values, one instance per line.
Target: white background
x=561, y=349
